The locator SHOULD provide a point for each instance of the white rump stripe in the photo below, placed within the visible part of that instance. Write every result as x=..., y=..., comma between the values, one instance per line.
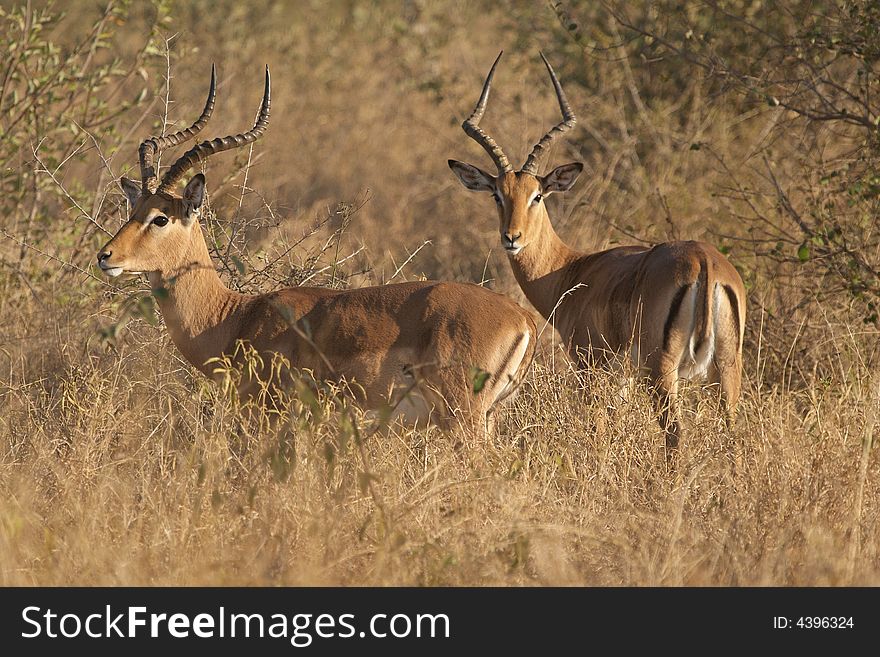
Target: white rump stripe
x=695, y=362
x=516, y=360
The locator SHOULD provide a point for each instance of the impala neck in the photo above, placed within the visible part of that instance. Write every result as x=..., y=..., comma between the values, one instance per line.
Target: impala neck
x=199, y=310
x=541, y=268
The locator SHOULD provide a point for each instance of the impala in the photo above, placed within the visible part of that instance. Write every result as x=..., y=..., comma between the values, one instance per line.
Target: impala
x=430, y=339
x=676, y=310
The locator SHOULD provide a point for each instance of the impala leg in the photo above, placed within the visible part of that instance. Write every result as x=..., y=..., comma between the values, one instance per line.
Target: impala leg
x=727, y=374
x=664, y=378
x=728, y=380
x=666, y=399
x=731, y=388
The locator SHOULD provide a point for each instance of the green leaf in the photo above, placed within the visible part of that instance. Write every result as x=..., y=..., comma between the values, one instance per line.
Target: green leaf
x=239, y=265
x=478, y=378
x=803, y=252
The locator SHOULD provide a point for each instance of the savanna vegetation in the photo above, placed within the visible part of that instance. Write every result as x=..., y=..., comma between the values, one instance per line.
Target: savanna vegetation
x=750, y=125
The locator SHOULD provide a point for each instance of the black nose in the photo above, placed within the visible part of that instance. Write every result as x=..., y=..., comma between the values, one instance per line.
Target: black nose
x=103, y=255
x=510, y=239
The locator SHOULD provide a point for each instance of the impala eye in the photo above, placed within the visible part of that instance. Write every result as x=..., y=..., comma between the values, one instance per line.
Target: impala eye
x=497, y=198
x=537, y=199
x=160, y=220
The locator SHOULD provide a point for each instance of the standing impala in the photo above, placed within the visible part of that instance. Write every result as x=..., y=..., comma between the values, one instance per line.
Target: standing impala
x=431, y=339
x=676, y=309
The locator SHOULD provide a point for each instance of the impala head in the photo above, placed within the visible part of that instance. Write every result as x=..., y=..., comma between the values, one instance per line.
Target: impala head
x=162, y=226
x=519, y=195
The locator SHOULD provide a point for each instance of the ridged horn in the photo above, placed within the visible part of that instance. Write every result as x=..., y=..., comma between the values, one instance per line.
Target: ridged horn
x=151, y=147
x=539, y=152
x=207, y=148
x=474, y=131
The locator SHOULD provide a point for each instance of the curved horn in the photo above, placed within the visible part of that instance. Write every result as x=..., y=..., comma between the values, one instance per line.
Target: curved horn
x=152, y=146
x=207, y=148
x=472, y=128
x=568, y=120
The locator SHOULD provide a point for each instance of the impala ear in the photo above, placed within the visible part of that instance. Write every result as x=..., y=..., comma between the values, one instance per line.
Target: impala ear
x=131, y=190
x=561, y=178
x=194, y=196
x=471, y=177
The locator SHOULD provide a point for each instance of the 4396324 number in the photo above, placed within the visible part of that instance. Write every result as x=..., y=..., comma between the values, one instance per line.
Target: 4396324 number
x=824, y=622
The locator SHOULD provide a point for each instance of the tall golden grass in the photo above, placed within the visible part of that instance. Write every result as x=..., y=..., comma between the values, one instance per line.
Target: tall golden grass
x=120, y=465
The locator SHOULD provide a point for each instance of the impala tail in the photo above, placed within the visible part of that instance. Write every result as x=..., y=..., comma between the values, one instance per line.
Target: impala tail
x=701, y=345
x=696, y=310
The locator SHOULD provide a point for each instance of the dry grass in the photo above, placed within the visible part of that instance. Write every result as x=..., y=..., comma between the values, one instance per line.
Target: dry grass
x=127, y=469
x=120, y=465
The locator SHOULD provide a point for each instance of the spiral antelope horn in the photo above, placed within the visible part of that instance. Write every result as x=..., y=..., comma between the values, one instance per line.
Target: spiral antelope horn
x=541, y=149
x=152, y=146
x=207, y=148
x=474, y=131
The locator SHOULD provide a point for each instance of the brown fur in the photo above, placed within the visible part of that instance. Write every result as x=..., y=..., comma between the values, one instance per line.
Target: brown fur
x=605, y=304
x=423, y=337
